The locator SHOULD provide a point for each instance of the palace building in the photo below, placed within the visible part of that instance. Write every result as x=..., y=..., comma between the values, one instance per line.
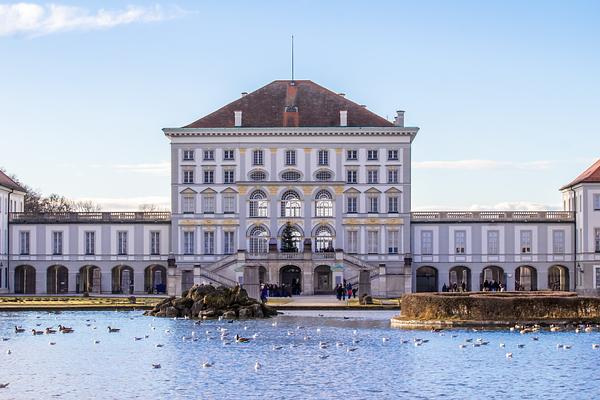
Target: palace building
x=294, y=162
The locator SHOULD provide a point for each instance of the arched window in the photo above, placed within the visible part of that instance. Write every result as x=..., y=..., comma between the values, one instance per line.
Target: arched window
x=259, y=205
x=323, y=175
x=258, y=175
x=324, y=204
x=290, y=204
x=324, y=239
x=259, y=240
x=290, y=176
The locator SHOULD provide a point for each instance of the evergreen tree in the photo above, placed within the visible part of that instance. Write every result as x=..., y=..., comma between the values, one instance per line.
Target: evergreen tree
x=288, y=245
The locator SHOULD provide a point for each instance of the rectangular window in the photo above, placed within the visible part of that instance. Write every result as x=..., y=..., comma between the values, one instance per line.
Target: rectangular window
x=352, y=204
x=526, y=239
x=393, y=155
x=352, y=241
x=290, y=157
x=393, y=175
x=460, y=242
x=372, y=155
x=393, y=204
x=558, y=242
x=352, y=155
x=257, y=157
x=228, y=155
x=597, y=271
x=228, y=176
x=372, y=176
x=90, y=243
x=372, y=242
x=373, y=204
x=393, y=241
x=189, y=204
x=352, y=176
x=228, y=242
x=209, y=243
x=597, y=240
x=188, y=242
x=323, y=157
x=122, y=243
x=209, y=155
x=57, y=243
x=493, y=242
x=229, y=204
x=209, y=176
x=188, y=176
x=24, y=243
x=208, y=204
x=597, y=202
x=154, y=243
x=427, y=242
x=188, y=155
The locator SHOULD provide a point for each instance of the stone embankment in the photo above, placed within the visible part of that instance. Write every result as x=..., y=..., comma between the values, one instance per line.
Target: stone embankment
x=496, y=309
x=207, y=302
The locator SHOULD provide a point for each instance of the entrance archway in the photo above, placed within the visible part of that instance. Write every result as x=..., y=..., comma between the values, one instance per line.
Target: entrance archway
x=322, y=279
x=525, y=278
x=262, y=274
x=291, y=276
x=122, y=279
x=90, y=279
x=25, y=279
x=459, y=279
x=155, y=279
x=490, y=276
x=57, y=279
x=427, y=279
x=558, y=278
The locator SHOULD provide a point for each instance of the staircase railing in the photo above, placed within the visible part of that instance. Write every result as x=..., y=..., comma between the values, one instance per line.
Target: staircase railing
x=218, y=278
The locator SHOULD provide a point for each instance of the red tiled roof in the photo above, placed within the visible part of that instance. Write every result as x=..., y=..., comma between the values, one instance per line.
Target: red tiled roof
x=300, y=103
x=7, y=182
x=590, y=175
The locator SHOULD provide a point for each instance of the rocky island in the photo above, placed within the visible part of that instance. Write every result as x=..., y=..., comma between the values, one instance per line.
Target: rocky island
x=207, y=302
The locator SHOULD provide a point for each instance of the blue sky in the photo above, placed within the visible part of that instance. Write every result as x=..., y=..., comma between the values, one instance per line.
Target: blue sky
x=506, y=93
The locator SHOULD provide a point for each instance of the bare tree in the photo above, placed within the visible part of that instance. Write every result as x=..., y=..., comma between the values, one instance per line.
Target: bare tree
x=86, y=206
x=149, y=207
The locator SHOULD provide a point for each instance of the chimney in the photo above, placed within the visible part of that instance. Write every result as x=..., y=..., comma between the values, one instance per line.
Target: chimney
x=237, y=115
x=244, y=93
x=343, y=118
x=399, y=120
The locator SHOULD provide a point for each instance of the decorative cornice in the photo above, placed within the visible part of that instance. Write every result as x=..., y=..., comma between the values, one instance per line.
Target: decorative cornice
x=290, y=131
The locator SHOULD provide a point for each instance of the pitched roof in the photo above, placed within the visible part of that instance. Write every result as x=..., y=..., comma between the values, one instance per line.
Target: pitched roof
x=7, y=182
x=590, y=175
x=299, y=103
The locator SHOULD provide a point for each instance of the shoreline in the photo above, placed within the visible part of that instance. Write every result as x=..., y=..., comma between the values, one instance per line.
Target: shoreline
x=406, y=323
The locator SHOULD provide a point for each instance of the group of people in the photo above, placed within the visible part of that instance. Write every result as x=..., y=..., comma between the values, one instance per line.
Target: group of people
x=455, y=287
x=284, y=290
x=493, y=286
x=345, y=290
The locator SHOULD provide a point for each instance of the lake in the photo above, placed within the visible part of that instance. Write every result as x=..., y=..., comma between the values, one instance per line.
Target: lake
x=294, y=365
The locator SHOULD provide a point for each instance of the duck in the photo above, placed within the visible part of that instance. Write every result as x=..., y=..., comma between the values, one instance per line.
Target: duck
x=50, y=331
x=206, y=364
x=277, y=347
x=502, y=345
x=19, y=329
x=156, y=366
x=462, y=346
x=113, y=330
x=509, y=355
x=257, y=366
x=385, y=339
x=8, y=352
x=65, y=329
x=520, y=346
x=595, y=346
x=137, y=338
x=52, y=343
x=160, y=345
x=323, y=356
x=34, y=332
x=96, y=341
x=588, y=329
x=4, y=385
x=351, y=349
x=240, y=339
x=567, y=347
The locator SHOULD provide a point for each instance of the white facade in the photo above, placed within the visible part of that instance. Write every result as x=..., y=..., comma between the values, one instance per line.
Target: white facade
x=11, y=200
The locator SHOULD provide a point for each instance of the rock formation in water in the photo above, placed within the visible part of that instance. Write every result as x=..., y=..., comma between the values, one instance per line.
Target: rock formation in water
x=207, y=301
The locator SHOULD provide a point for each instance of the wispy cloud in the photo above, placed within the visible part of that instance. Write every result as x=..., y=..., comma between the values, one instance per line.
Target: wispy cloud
x=42, y=19
x=129, y=203
x=504, y=206
x=483, y=164
x=161, y=168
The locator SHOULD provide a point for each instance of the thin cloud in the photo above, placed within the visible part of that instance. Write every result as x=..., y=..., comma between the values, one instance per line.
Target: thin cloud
x=161, y=168
x=483, y=164
x=503, y=206
x=42, y=19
